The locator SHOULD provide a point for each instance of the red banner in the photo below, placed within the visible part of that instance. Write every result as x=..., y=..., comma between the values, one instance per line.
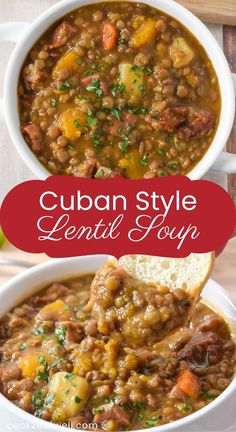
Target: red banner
x=68, y=216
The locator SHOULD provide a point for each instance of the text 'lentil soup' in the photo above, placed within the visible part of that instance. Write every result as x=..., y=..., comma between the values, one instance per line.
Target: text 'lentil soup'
x=68, y=355
x=118, y=89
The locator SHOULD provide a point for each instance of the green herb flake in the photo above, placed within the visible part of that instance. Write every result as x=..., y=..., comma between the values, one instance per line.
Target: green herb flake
x=53, y=103
x=77, y=123
x=66, y=85
x=172, y=165
x=79, y=61
x=207, y=395
x=69, y=376
x=98, y=410
x=39, y=331
x=144, y=161
x=61, y=334
x=139, y=416
x=23, y=346
x=139, y=405
x=161, y=152
x=94, y=87
x=41, y=359
x=141, y=87
x=42, y=376
x=100, y=173
x=152, y=421
x=77, y=399
x=117, y=88
x=186, y=408
x=115, y=113
x=123, y=41
x=148, y=69
x=124, y=145
x=98, y=139
x=48, y=400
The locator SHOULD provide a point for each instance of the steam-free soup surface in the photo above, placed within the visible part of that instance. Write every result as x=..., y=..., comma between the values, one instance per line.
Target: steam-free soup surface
x=68, y=356
x=118, y=89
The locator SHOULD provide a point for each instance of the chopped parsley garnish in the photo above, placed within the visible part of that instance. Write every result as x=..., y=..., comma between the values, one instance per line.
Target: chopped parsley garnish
x=41, y=359
x=70, y=376
x=122, y=41
x=79, y=61
x=148, y=69
x=98, y=410
x=172, y=165
x=23, y=346
x=186, y=408
x=39, y=331
x=139, y=416
x=61, y=334
x=57, y=362
x=66, y=85
x=152, y=421
x=124, y=145
x=161, y=152
x=42, y=376
x=207, y=395
x=144, y=161
x=134, y=68
x=91, y=121
x=139, y=405
x=117, y=88
x=141, y=87
x=53, y=103
x=94, y=87
x=115, y=112
x=77, y=399
x=77, y=123
x=98, y=139
x=100, y=173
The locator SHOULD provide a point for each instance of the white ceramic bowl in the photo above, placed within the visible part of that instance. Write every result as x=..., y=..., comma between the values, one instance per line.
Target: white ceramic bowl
x=219, y=415
x=27, y=34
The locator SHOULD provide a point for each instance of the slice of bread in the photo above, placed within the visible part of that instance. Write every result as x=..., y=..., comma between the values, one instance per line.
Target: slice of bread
x=190, y=273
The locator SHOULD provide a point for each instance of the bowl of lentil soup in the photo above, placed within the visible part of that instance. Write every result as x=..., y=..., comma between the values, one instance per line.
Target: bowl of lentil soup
x=61, y=288
x=119, y=88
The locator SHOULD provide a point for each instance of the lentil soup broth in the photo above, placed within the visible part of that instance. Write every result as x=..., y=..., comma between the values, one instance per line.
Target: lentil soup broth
x=63, y=363
x=118, y=88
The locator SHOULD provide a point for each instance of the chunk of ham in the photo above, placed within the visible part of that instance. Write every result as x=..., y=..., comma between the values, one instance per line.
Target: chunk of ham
x=86, y=169
x=62, y=34
x=202, y=349
x=35, y=136
x=186, y=121
x=113, y=412
x=72, y=330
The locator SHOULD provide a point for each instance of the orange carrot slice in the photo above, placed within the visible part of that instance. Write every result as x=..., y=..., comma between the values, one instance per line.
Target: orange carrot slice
x=110, y=36
x=188, y=383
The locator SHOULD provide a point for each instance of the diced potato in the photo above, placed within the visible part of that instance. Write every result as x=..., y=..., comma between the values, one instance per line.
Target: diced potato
x=71, y=123
x=138, y=20
x=69, y=393
x=30, y=364
x=144, y=33
x=181, y=53
x=57, y=308
x=132, y=78
x=68, y=61
x=131, y=165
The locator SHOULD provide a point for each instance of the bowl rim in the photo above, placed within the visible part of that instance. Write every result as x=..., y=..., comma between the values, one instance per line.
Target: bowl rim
x=57, y=11
x=58, y=263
